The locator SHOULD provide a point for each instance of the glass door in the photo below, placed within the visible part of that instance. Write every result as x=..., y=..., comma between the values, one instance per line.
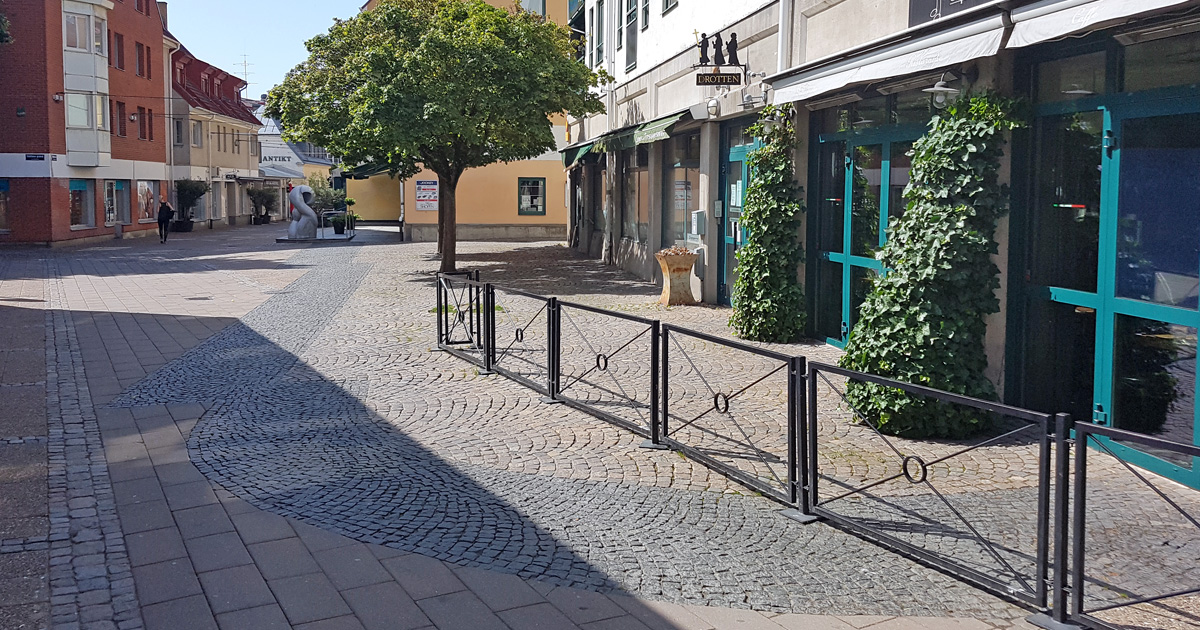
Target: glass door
x=735, y=176
x=860, y=187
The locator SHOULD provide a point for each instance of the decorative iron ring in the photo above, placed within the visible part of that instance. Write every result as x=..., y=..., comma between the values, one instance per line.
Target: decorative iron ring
x=923, y=469
x=602, y=362
x=721, y=403
x=520, y=334
x=459, y=317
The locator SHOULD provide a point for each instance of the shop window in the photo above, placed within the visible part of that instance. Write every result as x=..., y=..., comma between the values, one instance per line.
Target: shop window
x=1162, y=63
x=4, y=202
x=871, y=112
x=1071, y=78
x=83, y=210
x=147, y=192
x=912, y=106
x=681, y=175
x=635, y=202
x=75, y=36
x=531, y=195
x=79, y=111
x=599, y=198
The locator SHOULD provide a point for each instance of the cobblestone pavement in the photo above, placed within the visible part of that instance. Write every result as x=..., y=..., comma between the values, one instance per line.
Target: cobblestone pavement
x=283, y=448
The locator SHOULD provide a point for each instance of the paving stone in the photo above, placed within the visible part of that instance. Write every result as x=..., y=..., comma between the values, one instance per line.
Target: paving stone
x=584, y=606
x=261, y=618
x=138, y=491
x=219, y=551
x=537, y=617
x=177, y=473
x=165, y=581
x=460, y=610
x=141, y=517
x=663, y=615
x=616, y=623
x=498, y=590
x=307, y=598
x=423, y=577
x=201, y=521
x=283, y=558
x=351, y=567
x=385, y=606
x=189, y=495
x=187, y=613
x=734, y=618
x=154, y=546
x=235, y=588
x=794, y=621
x=256, y=526
x=317, y=539
x=348, y=622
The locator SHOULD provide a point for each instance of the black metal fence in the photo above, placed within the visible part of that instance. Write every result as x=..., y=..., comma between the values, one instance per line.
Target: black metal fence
x=787, y=428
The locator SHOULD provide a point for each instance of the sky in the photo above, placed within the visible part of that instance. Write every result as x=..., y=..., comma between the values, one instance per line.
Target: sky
x=270, y=33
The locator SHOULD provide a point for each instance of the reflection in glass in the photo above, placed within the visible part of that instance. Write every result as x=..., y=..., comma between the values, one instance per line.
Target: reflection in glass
x=834, y=119
x=912, y=106
x=831, y=191
x=1158, y=240
x=829, y=300
x=861, y=281
x=1072, y=78
x=1066, y=212
x=682, y=186
x=864, y=217
x=1154, y=381
x=901, y=166
x=1060, y=355
x=871, y=112
x=1163, y=63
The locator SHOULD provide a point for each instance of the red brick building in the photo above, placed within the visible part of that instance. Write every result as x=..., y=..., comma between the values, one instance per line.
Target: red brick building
x=84, y=150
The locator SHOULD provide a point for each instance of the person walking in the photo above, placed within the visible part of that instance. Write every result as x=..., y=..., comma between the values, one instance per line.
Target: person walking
x=165, y=213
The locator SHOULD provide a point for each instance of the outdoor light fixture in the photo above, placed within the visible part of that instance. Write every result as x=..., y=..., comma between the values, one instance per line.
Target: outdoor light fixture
x=133, y=117
x=942, y=93
x=57, y=98
x=1077, y=90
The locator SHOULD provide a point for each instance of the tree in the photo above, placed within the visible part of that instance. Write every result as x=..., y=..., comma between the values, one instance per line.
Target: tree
x=5, y=30
x=767, y=299
x=325, y=197
x=924, y=320
x=188, y=192
x=446, y=84
x=265, y=200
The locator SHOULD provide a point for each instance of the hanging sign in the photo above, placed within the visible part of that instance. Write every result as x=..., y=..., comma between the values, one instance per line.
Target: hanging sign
x=719, y=78
x=427, y=194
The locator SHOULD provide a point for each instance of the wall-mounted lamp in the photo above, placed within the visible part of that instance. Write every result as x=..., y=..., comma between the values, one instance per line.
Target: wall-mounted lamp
x=133, y=118
x=942, y=93
x=57, y=98
x=749, y=101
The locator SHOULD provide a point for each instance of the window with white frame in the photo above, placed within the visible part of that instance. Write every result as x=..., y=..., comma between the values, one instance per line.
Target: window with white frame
x=100, y=36
x=76, y=35
x=669, y=4
x=197, y=133
x=600, y=33
x=101, y=111
x=631, y=30
x=79, y=110
x=645, y=14
x=591, y=40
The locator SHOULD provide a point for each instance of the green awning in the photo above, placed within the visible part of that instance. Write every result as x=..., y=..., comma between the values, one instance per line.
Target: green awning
x=616, y=141
x=364, y=171
x=571, y=155
x=655, y=130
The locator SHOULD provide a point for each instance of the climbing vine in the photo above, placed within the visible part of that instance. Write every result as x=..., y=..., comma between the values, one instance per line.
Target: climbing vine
x=767, y=298
x=924, y=320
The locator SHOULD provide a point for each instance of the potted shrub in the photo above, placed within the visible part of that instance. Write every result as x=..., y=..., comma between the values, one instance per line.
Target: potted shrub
x=338, y=221
x=676, y=263
x=265, y=201
x=187, y=193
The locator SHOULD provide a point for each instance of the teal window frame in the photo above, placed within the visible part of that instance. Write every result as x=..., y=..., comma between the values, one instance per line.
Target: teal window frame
x=521, y=183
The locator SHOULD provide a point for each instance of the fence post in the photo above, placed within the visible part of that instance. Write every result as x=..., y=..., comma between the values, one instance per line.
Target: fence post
x=664, y=418
x=490, y=323
x=1059, y=617
x=552, y=350
x=799, y=384
x=438, y=310
x=1078, y=522
x=658, y=375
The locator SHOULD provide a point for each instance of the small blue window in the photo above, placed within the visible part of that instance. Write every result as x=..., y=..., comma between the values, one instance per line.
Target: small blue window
x=3, y=185
x=79, y=184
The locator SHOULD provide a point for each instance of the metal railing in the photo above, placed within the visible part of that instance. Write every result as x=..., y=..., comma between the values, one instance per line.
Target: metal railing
x=787, y=428
x=742, y=425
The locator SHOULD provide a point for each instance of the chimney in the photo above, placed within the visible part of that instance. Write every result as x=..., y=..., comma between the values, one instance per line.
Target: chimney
x=162, y=11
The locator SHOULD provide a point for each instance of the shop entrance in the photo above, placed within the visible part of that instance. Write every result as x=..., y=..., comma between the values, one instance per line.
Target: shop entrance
x=735, y=175
x=1113, y=268
x=861, y=170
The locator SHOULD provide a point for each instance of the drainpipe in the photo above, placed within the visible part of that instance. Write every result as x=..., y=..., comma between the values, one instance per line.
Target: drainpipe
x=786, y=10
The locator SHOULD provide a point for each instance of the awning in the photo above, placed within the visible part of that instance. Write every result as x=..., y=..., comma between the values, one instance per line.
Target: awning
x=656, y=130
x=981, y=38
x=1052, y=19
x=616, y=141
x=571, y=155
x=364, y=171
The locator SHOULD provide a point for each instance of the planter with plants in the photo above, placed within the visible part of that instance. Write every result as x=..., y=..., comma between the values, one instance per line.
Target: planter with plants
x=265, y=201
x=338, y=221
x=187, y=193
x=676, y=264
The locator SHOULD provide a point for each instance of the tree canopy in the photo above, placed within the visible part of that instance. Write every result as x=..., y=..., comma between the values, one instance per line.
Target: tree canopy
x=445, y=84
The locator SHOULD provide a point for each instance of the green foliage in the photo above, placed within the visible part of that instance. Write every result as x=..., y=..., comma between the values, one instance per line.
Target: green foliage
x=447, y=84
x=5, y=32
x=924, y=321
x=264, y=200
x=768, y=301
x=324, y=196
x=188, y=192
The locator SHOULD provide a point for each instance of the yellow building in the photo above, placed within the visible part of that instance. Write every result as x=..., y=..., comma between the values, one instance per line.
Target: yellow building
x=514, y=201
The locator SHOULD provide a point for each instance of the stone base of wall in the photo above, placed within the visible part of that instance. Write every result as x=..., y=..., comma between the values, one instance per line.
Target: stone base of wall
x=427, y=233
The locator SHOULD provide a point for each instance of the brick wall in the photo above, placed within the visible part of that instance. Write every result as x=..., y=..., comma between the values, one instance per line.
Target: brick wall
x=135, y=91
x=31, y=77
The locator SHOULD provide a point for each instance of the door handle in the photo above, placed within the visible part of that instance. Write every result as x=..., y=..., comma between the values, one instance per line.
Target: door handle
x=1099, y=415
x=845, y=329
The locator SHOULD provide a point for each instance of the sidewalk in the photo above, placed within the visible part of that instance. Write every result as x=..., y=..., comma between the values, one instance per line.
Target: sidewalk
x=242, y=436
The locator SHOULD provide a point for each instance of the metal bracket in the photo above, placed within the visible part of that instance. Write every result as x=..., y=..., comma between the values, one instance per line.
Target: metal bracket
x=649, y=444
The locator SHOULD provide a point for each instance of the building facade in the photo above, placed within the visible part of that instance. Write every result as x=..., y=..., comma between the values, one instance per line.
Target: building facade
x=84, y=155
x=523, y=200
x=1099, y=257
x=214, y=138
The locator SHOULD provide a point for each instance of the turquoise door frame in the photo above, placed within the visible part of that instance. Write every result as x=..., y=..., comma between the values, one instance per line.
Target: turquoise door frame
x=1118, y=109
x=885, y=138
x=734, y=172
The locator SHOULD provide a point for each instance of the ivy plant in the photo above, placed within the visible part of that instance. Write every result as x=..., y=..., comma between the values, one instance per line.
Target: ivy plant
x=767, y=297
x=923, y=321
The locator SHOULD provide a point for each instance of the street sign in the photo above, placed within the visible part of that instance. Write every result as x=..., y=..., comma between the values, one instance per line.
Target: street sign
x=719, y=78
x=427, y=194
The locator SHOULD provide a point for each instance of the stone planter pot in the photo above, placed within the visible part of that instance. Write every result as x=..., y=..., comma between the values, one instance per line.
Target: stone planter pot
x=677, y=278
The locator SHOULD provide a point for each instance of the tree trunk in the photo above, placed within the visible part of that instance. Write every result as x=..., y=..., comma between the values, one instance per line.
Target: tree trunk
x=448, y=200
x=441, y=222
x=608, y=251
